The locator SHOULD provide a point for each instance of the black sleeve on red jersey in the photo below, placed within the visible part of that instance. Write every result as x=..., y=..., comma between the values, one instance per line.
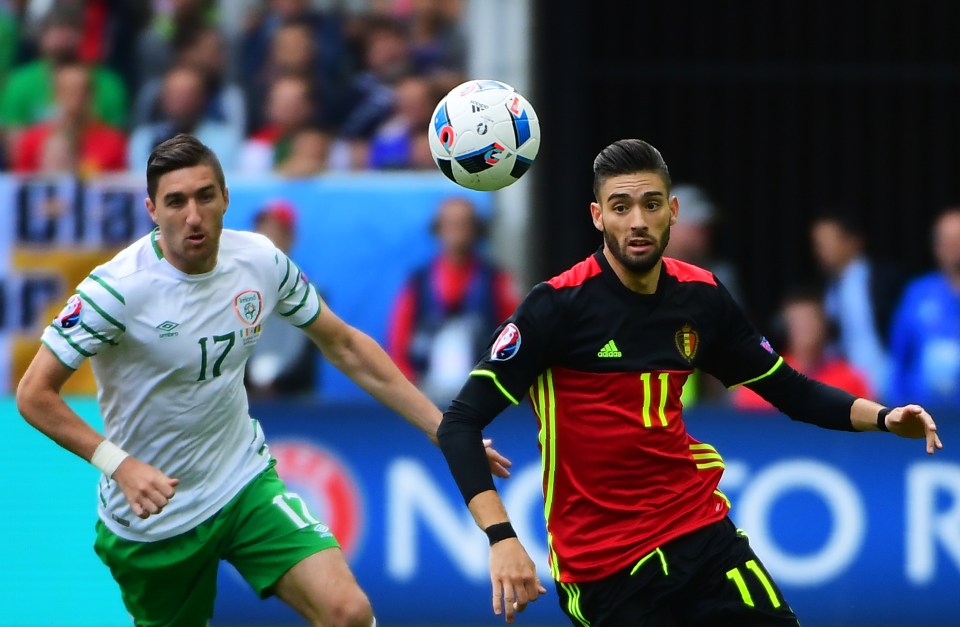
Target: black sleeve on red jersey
x=460, y=435
x=805, y=399
x=738, y=354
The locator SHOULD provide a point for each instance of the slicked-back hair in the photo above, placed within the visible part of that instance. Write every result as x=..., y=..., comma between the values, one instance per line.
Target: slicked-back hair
x=627, y=156
x=178, y=152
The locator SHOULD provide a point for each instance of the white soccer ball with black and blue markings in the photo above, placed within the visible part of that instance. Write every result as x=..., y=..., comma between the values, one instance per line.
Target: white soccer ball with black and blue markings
x=484, y=135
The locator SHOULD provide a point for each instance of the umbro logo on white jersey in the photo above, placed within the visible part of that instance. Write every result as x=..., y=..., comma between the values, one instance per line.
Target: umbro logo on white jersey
x=167, y=328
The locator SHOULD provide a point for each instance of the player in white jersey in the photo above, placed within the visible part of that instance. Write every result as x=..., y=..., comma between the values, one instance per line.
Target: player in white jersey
x=187, y=477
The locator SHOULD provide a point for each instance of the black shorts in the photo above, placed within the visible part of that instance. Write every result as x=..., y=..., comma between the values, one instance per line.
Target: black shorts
x=709, y=577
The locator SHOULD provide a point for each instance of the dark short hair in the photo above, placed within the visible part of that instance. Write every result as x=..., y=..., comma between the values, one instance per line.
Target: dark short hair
x=627, y=156
x=841, y=216
x=178, y=152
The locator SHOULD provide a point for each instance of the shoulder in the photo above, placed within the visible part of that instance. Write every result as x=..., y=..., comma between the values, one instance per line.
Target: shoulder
x=27, y=73
x=924, y=285
x=685, y=272
x=121, y=274
x=247, y=242
x=576, y=275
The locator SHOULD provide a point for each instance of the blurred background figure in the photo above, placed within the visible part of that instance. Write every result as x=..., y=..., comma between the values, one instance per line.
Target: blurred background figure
x=27, y=97
x=692, y=237
x=173, y=22
x=284, y=360
x=806, y=336
x=447, y=310
x=206, y=49
x=73, y=141
x=290, y=108
x=860, y=295
x=925, y=338
x=436, y=42
x=183, y=106
x=393, y=144
x=309, y=154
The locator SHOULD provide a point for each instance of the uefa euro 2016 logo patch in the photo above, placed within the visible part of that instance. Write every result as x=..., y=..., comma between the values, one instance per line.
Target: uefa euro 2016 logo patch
x=69, y=316
x=249, y=305
x=507, y=344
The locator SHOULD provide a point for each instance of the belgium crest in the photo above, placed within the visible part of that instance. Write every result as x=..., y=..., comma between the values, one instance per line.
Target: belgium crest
x=688, y=341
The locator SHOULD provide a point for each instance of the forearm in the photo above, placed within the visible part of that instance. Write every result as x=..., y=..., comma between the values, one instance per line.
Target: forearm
x=810, y=401
x=48, y=413
x=363, y=360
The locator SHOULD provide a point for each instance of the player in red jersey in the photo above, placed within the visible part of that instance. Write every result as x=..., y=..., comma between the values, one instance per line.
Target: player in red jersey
x=637, y=530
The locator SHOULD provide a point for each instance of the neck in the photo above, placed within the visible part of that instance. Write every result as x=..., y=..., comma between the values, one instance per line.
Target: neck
x=639, y=282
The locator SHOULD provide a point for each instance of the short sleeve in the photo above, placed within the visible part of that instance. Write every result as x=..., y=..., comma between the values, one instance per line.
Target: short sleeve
x=299, y=302
x=90, y=322
x=740, y=354
x=520, y=348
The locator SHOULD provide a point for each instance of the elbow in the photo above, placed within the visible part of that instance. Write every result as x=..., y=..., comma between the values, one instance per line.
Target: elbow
x=26, y=398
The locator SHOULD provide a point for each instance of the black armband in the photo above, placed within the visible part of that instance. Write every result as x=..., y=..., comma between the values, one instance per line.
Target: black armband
x=806, y=400
x=499, y=531
x=882, y=419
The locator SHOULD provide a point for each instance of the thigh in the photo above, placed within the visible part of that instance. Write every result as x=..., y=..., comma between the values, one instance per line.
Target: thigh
x=733, y=587
x=171, y=582
x=621, y=600
x=270, y=531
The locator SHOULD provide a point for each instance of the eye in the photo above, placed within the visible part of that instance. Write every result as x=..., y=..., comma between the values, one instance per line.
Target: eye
x=619, y=207
x=653, y=205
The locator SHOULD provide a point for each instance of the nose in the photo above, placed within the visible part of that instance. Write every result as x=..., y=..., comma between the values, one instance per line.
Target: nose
x=193, y=213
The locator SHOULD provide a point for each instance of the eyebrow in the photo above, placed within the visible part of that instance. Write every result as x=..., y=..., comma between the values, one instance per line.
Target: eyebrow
x=177, y=195
x=619, y=195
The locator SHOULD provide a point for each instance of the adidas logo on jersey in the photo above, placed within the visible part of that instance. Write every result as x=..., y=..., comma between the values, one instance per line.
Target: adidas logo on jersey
x=610, y=350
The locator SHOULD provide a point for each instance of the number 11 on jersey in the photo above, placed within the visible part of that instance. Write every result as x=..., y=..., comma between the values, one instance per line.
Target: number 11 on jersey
x=664, y=378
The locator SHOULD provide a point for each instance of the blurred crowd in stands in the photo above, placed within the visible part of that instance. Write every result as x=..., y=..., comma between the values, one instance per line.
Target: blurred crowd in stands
x=291, y=87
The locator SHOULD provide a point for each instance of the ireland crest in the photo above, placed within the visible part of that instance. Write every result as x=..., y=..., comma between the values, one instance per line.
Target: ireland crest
x=248, y=305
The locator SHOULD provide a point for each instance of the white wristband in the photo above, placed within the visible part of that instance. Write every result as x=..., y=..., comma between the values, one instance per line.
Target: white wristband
x=107, y=457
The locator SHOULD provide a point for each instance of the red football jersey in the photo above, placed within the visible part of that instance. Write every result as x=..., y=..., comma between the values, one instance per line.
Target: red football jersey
x=604, y=368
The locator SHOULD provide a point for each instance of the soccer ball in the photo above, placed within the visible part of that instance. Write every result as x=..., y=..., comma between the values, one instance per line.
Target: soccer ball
x=484, y=135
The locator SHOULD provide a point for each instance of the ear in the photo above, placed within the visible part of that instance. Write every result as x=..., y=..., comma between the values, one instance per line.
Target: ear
x=151, y=209
x=226, y=198
x=596, y=212
x=674, y=209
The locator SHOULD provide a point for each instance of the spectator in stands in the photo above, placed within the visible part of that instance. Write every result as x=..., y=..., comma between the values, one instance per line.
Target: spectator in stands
x=290, y=108
x=73, y=141
x=184, y=105
x=9, y=41
x=295, y=50
x=27, y=97
x=860, y=296
x=284, y=360
x=309, y=154
x=331, y=61
x=436, y=43
x=806, y=331
x=371, y=96
x=692, y=237
x=173, y=22
x=392, y=145
x=448, y=308
x=925, y=339
x=205, y=49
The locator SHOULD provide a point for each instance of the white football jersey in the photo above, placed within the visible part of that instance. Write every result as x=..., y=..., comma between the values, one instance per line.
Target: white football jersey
x=168, y=350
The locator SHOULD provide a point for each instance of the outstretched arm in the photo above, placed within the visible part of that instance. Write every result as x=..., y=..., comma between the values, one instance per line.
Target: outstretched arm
x=146, y=488
x=513, y=575
x=361, y=358
x=823, y=405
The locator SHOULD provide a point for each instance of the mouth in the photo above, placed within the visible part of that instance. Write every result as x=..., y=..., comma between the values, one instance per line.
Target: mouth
x=196, y=238
x=640, y=245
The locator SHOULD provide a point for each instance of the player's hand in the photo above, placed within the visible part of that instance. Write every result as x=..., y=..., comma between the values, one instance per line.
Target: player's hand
x=147, y=489
x=499, y=465
x=913, y=421
x=514, y=578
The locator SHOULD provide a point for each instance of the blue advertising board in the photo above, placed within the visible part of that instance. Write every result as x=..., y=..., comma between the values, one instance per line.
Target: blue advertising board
x=858, y=529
